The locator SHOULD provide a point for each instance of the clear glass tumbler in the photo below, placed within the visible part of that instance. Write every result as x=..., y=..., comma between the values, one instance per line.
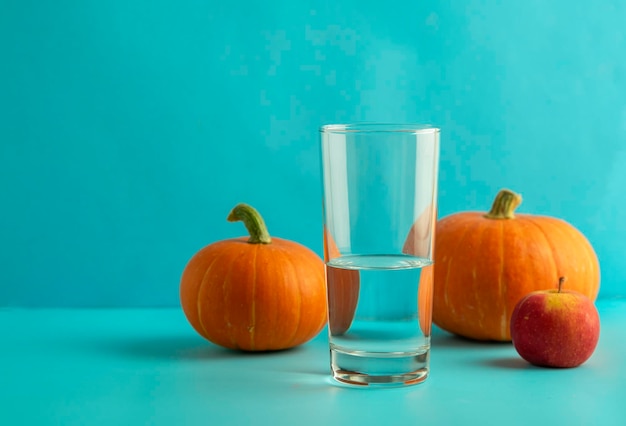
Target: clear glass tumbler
x=380, y=208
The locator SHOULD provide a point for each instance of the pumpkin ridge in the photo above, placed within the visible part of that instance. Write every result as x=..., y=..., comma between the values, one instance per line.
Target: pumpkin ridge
x=593, y=265
x=447, y=276
x=314, y=327
x=253, y=304
x=503, y=289
x=324, y=318
x=573, y=236
x=319, y=325
x=274, y=251
x=531, y=219
x=202, y=285
x=480, y=229
x=593, y=268
x=468, y=227
x=227, y=278
x=299, y=292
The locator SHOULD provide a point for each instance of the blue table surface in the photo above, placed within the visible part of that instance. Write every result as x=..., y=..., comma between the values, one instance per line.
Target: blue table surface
x=148, y=367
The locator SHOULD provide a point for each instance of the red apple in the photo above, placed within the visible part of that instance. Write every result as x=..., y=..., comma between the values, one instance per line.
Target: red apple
x=555, y=328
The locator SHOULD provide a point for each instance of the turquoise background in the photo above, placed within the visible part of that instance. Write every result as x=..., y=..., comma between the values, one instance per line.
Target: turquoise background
x=128, y=130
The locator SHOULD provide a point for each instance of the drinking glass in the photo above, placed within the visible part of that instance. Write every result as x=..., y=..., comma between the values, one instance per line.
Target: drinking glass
x=379, y=213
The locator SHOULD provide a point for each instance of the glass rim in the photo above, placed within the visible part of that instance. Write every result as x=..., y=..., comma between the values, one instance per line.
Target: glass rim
x=415, y=128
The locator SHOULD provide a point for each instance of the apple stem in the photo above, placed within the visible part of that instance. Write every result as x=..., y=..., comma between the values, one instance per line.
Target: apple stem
x=561, y=281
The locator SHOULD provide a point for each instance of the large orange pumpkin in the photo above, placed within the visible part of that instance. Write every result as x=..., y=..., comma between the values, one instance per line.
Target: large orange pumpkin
x=257, y=293
x=485, y=263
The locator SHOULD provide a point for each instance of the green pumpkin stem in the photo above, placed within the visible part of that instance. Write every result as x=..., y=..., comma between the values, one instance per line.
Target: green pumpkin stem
x=504, y=205
x=253, y=221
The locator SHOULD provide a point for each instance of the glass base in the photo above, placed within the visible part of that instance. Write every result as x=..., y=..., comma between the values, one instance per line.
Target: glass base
x=378, y=368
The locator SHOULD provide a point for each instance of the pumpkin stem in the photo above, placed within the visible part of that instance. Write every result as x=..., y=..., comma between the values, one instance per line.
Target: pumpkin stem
x=504, y=205
x=253, y=221
x=561, y=281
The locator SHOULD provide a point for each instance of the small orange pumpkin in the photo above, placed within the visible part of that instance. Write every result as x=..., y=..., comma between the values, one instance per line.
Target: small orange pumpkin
x=257, y=293
x=343, y=286
x=485, y=263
